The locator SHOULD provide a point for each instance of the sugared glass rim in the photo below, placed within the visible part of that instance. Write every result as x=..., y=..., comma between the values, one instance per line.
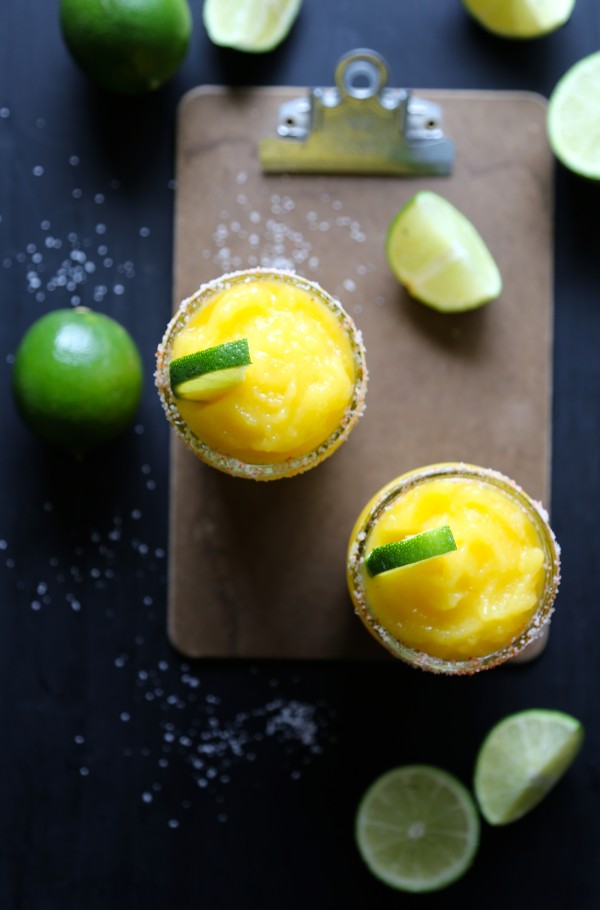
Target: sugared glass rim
x=229, y=464
x=357, y=552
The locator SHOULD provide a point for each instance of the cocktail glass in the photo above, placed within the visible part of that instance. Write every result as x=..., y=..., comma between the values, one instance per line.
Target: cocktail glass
x=508, y=643
x=309, y=350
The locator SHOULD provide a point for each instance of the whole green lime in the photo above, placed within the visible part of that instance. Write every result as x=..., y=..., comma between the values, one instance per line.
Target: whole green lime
x=127, y=46
x=77, y=378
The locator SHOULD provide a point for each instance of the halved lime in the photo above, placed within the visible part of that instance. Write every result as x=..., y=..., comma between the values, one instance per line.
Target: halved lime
x=254, y=26
x=520, y=18
x=521, y=759
x=412, y=549
x=205, y=373
x=574, y=118
x=417, y=828
x=442, y=260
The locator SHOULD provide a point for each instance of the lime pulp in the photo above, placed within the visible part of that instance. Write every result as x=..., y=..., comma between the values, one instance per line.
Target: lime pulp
x=521, y=759
x=439, y=256
x=254, y=26
x=520, y=18
x=573, y=118
x=212, y=370
x=417, y=828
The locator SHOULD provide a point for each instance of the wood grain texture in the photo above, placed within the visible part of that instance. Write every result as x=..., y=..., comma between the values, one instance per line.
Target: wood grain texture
x=257, y=570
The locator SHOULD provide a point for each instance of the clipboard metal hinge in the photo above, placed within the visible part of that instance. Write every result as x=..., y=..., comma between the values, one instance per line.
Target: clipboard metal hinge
x=358, y=126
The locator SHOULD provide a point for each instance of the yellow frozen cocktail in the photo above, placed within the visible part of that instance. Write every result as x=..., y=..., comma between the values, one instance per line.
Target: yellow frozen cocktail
x=479, y=575
x=286, y=376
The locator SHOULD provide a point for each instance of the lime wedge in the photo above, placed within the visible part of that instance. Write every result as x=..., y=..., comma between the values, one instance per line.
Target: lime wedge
x=435, y=251
x=520, y=18
x=204, y=374
x=417, y=828
x=574, y=118
x=521, y=759
x=401, y=553
x=254, y=26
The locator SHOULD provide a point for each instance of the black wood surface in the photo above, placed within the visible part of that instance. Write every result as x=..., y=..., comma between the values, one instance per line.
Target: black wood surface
x=130, y=777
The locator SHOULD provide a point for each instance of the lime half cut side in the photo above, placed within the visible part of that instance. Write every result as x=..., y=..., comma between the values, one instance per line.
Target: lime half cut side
x=520, y=18
x=417, y=828
x=254, y=26
x=521, y=759
x=400, y=553
x=574, y=118
x=439, y=256
x=205, y=374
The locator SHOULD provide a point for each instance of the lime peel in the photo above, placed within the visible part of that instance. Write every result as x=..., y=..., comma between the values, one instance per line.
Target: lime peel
x=521, y=759
x=77, y=378
x=417, y=828
x=127, y=47
x=418, y=547
x=202, y=374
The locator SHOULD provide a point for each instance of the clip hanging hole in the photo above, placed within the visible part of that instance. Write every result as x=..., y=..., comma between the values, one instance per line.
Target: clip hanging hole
x=361, y=74
x=361, y=79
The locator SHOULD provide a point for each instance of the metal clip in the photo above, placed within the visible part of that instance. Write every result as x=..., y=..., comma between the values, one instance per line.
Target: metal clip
x=359, y=126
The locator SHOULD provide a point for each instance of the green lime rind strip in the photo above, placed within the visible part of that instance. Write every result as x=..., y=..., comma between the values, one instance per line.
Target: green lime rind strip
x=222, y=357
x=413, y=549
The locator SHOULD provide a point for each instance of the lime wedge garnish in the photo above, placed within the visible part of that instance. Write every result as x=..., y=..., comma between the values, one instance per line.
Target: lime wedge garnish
x=573, y=116
x=417, y=828
x=205, y=373
x=521, y=759
x=520, y=18
x=442, y=260
x=254, y=26
x=404, y=552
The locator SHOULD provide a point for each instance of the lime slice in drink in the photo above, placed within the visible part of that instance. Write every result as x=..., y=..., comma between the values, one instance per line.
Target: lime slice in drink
x=574, y=118
x=520, y=18
x=412, y=549
x=254, y=26
x=417, y=828
x=204, y=374
x=442, y=260
x=521, y=759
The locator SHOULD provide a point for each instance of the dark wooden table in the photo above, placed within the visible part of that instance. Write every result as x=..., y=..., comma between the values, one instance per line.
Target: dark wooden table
x=130, y=777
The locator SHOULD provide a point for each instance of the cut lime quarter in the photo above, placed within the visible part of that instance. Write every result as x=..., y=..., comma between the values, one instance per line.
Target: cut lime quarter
x=417, y=828
x=254, y=26
x=204, y=374
x=520, y=18
x=574, y=118
x=400, y=553
x=439, y=256
x=521, y=759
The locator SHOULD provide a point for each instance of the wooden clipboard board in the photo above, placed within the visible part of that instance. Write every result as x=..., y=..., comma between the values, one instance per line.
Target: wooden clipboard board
x=258, y=569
